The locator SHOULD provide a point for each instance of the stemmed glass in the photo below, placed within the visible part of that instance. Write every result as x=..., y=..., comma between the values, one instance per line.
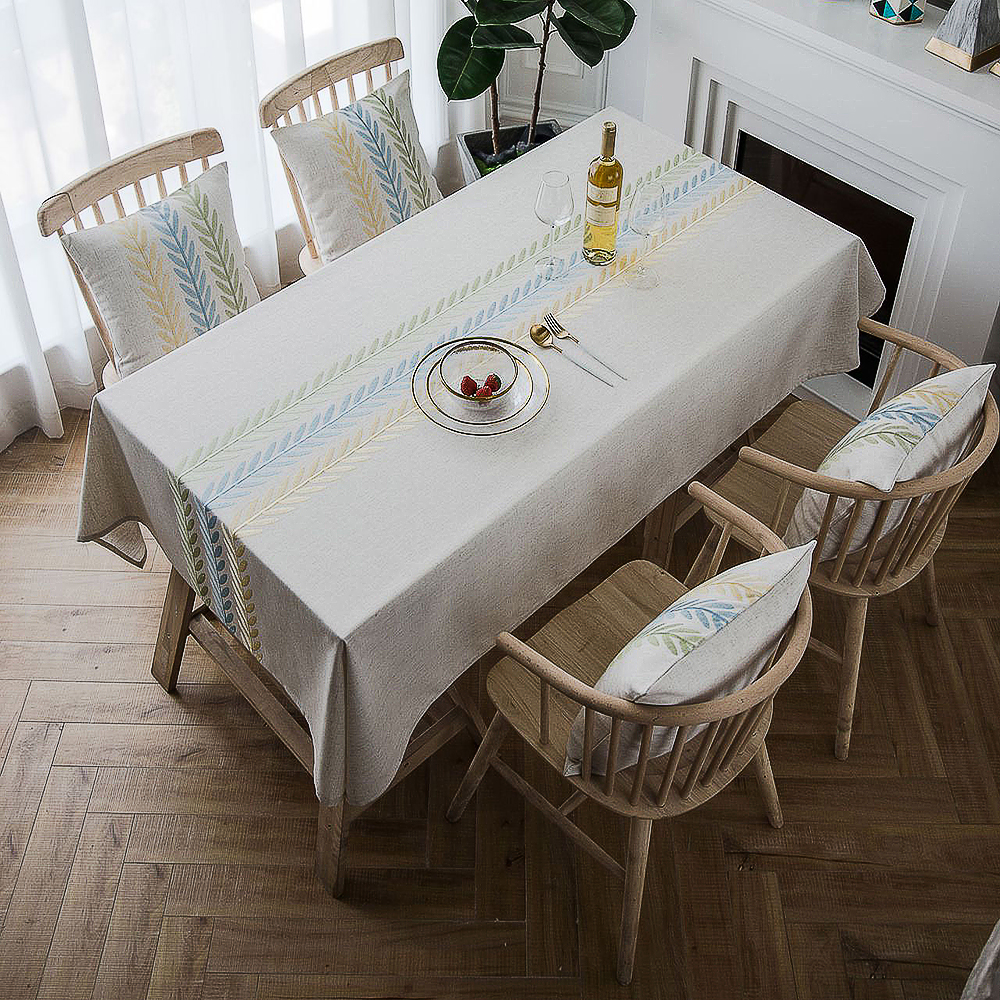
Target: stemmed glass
x=554, y=207
x=646, y=216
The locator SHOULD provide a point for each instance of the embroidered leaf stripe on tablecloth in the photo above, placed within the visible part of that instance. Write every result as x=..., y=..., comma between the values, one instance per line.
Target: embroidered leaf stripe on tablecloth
x=249, y=432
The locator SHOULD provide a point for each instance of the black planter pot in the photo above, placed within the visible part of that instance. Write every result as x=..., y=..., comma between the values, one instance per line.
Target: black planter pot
x=475, y=149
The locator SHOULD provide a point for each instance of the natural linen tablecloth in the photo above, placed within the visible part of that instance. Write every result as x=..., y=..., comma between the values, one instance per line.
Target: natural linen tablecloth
x=368, y=556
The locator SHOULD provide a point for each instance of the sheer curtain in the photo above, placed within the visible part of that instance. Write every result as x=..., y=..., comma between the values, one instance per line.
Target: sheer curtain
x=82, y=81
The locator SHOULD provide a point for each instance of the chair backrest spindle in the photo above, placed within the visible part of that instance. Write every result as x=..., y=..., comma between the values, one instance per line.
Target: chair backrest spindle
x=588, y=742
x=873, y=541
x=543, y=712
x=639, y=776
x=614, y=742
x=845, y=545
x=720, y=551
x=883, y=385
x=704, y=748
x=673, y=762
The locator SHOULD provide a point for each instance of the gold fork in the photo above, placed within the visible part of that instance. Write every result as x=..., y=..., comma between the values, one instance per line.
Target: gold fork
x=558, y=330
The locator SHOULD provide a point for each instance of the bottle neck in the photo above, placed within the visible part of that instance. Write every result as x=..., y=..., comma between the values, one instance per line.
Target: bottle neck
x=608, y=144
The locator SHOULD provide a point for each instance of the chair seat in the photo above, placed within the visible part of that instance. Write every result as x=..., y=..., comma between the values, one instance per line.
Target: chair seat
x=307, y=263
x=583, y=639
x=803, y=434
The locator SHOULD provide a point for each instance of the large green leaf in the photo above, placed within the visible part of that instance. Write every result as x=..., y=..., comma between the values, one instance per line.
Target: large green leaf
x=508, y=11
x=465, y=71
x=581, y=38
x=502, y=36
x=609, y=41
x=607, y=16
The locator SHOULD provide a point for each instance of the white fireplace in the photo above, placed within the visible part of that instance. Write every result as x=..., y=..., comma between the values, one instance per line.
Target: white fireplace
x=862, y=101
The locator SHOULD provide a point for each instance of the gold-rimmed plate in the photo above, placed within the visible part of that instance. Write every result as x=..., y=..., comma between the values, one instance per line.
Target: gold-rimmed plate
x=438, y=406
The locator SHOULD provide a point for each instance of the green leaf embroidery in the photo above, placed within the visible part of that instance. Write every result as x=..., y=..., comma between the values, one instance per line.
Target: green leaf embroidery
x=220, y=256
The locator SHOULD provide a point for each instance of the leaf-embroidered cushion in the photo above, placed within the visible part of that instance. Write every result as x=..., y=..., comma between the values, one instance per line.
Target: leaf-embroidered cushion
x=360, y=170
x=917, y=433
x=714, y=640
x=168, y=272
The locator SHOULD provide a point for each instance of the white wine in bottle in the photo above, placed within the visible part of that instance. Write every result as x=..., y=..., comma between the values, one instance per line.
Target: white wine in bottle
x=604, y=192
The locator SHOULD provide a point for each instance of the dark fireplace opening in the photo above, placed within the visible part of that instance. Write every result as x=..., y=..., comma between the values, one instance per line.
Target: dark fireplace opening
x=884, y=229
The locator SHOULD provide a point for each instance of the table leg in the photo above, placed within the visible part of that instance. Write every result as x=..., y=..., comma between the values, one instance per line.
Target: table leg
x=468, y=706
x=331, y=839
x=658, y=531
x=174, y=621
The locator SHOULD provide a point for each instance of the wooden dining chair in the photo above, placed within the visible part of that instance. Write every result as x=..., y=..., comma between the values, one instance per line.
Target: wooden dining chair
x=541, y=685
x=119, y=184
x=770, y=476
x=313, y=93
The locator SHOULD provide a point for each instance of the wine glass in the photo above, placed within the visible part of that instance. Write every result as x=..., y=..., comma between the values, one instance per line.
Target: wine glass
x=553, y=206
x=646, y=216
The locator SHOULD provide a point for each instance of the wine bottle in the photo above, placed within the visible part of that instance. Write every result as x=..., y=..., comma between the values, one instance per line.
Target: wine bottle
x=604, y=192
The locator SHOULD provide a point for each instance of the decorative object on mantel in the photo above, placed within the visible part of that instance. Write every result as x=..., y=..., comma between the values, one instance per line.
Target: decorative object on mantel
x=897, y=11
x=995, y=68
x=969, y=35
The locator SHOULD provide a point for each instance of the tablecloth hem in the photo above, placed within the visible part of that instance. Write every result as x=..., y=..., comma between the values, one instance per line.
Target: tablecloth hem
x=125, y=538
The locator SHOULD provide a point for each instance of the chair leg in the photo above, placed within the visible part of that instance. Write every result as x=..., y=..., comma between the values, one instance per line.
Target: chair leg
x=488, y=749
x=174, y=622
x=854, y=638
x=928, y=584
x=768, y=790
x=331, y=839
x=704, y=558
x=635, y=881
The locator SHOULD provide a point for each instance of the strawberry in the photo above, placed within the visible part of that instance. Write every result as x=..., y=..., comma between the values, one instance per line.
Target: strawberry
x=493, y=380
x=468, y=385
x=485, y=391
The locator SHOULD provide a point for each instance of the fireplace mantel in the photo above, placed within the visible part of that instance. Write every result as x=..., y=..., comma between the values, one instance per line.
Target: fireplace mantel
x=892, y=54
x=865, y=102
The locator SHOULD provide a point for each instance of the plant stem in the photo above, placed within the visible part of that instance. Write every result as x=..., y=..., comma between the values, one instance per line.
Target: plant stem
x=495, y=116
x=541, y=70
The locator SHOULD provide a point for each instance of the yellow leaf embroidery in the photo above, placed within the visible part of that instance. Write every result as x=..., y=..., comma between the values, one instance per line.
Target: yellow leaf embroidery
x=144, y=258
x=359, y=178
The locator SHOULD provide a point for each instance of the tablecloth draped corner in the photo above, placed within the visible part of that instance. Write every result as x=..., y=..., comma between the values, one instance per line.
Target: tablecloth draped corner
x=125, y=541
x=110, y=501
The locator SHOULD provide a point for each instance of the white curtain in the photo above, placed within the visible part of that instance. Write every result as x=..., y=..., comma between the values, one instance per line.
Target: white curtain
x=82, y=81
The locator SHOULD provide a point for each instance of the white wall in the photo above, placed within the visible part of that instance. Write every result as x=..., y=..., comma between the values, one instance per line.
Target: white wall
x=627, y=65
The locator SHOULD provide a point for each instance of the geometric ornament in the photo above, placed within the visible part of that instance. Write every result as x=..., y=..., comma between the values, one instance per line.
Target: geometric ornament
x=969, y=35
x=897, y=11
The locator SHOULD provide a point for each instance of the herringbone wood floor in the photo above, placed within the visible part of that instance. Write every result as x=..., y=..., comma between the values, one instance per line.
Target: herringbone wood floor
x=162, y=846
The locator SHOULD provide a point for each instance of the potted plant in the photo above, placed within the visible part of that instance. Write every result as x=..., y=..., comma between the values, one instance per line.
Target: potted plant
x=473, y=50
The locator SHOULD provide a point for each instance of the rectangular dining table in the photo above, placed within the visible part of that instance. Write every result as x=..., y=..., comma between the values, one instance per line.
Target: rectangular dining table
x=335, y=549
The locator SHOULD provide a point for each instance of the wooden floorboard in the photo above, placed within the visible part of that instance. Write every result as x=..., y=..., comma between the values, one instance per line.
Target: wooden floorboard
x=162, y=846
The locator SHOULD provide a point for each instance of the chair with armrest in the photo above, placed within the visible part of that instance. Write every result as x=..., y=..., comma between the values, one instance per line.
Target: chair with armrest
x=771, y=476
x=542, y=685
